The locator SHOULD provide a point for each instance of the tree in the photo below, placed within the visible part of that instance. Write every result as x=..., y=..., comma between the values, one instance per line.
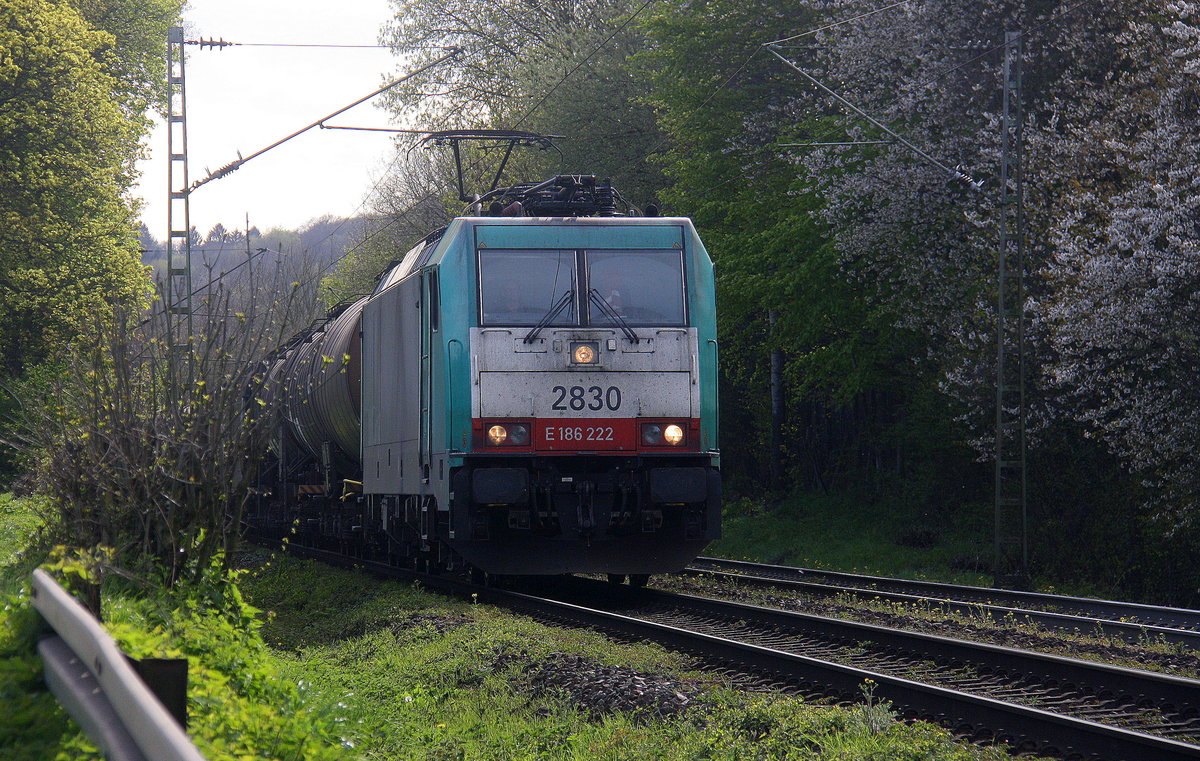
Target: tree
x=217, y=235
x=932, y=71
x=1110, y=97
x=412, y=202
x=786, y=292
x=557, y=67
x=499, y=40
x=133, y=54
x=67, y=243
x=1124, y=153
x=146, y=242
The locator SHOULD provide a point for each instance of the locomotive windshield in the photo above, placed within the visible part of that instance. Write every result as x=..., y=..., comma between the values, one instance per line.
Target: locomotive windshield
x=631, y=287
x=642, y=287
x=522, y=287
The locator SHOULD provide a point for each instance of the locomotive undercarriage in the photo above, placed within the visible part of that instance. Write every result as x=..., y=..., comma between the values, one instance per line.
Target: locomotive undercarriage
x=518, y=516
x=597, y=514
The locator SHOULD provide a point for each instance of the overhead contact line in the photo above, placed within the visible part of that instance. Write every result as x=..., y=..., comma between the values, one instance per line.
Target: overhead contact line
x=222, y=43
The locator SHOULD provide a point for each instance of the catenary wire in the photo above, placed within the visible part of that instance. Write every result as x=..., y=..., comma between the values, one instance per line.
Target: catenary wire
x=755, y=51
x=521, y=120
x=836, y=23
x=929, y=80
x=235, y=165
x=545, y=96
x=989, y=51
x=375, y=186
x=712, y=95
x=579, y=65
x=278, y=44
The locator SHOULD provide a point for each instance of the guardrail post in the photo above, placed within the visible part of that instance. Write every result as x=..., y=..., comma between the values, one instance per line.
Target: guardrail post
x=167, y=678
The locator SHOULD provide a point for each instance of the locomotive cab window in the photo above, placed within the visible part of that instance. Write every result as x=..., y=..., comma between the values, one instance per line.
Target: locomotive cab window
x=526, y=287
x=640, y=287
x=435, y=298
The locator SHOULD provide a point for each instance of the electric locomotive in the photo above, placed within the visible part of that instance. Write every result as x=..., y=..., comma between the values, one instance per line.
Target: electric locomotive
x=531, y=390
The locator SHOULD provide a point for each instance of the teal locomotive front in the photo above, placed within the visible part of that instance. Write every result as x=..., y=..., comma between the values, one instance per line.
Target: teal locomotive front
x=538, y=396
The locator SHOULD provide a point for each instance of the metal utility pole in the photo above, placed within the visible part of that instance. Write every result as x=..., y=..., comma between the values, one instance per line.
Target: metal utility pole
x=179, y=221
x=777, y=408
x=1011, y=568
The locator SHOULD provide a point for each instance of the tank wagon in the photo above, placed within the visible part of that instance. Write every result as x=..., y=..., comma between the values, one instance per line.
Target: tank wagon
x=519, y=395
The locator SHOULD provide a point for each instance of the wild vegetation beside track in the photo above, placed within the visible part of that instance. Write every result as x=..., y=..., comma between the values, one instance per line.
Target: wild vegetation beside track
x=894, y=535
x=859, y=534
x=856, y=281
x=239, y=706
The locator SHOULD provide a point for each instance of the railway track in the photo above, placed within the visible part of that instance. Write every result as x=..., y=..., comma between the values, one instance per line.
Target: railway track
x=1033, y=702
x=1131, y=622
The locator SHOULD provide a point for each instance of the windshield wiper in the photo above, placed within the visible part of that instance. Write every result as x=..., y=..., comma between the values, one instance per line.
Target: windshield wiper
x=562, y=303
x=607, y=310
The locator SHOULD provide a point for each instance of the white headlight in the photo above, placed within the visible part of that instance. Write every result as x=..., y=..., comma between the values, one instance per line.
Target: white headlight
x=584, y=354
x=497, y=435
x=673, y=434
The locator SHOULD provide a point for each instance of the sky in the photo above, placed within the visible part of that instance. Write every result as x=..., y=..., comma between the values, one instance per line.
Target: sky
x=245, y=98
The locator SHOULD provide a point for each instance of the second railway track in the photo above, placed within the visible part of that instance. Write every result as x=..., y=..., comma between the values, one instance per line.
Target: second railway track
x=1131, y=622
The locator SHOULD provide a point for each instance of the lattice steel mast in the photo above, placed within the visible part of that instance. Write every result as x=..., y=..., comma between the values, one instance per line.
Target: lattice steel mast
x=1011, y=544
x=179, y=222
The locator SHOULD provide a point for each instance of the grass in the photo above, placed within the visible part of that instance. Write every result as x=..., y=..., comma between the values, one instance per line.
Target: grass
x=416, y=676
x=845, y=533
x=240, y=709
x=32, y=726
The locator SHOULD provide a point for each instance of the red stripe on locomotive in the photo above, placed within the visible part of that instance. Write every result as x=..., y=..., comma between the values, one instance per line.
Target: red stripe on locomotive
x=572, y=435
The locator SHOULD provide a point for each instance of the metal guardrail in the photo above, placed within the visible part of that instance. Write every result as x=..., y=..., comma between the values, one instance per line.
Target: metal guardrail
x=91, y=677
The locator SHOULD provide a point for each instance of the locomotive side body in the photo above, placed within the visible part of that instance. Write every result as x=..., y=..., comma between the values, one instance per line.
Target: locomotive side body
x=538, y=396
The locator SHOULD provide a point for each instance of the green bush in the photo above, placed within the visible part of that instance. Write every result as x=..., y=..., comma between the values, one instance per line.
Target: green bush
x=239, y=708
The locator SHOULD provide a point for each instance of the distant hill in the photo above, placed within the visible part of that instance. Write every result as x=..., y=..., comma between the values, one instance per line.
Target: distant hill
x=221, y=250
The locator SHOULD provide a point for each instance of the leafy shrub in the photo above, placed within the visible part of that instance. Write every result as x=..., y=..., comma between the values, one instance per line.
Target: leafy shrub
x=238, y=707
x=146, y=440
x=33, y=725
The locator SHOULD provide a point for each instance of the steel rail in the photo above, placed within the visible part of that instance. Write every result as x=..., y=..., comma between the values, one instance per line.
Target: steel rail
x=1128, y=631
x=964, y=712
x=91, y=677
x=1178, y=619
x=1165, y=688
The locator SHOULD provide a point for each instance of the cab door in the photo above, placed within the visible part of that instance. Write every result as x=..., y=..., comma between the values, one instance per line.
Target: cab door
x=429, y=398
